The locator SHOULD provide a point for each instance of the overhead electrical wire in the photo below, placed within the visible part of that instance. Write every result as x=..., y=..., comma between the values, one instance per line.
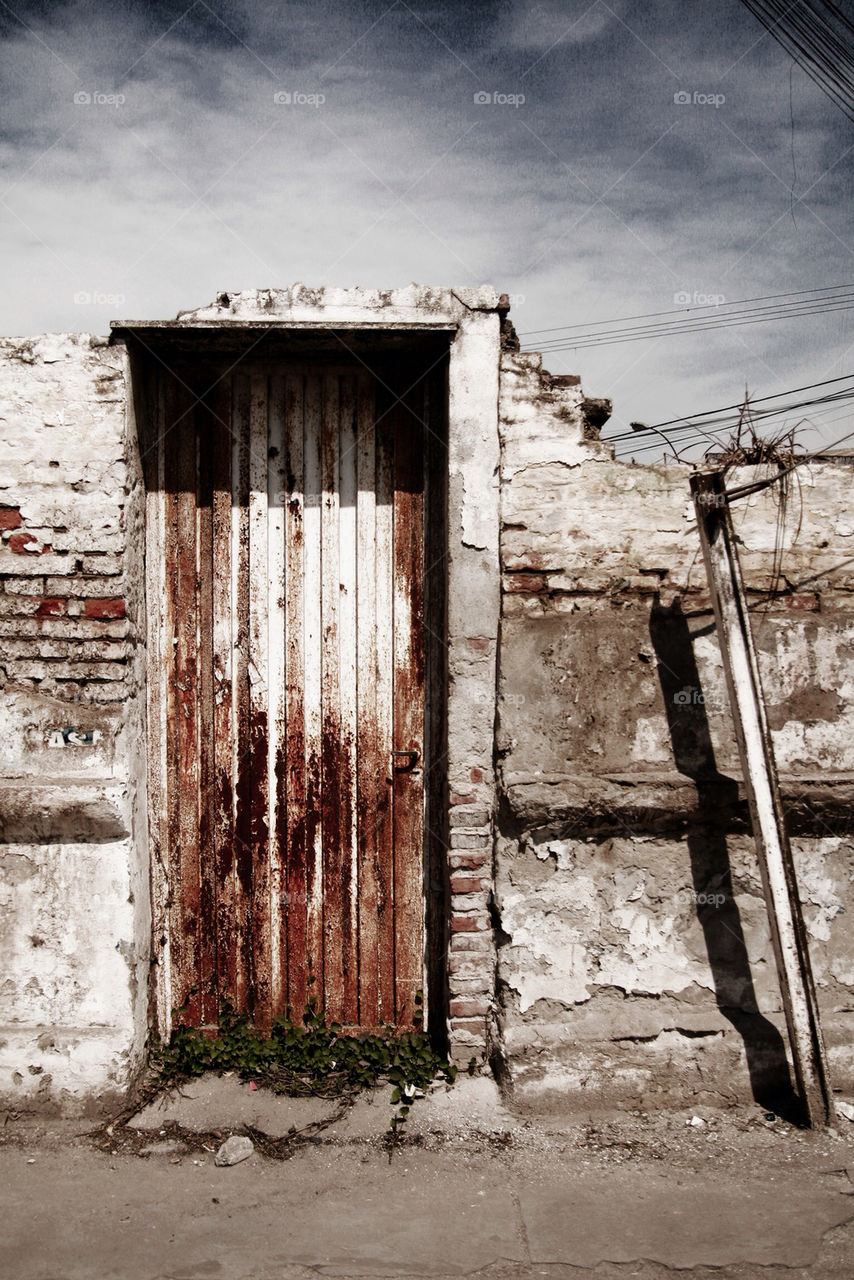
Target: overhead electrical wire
x=723, y=422
x=694, y=429
x=647, y=315
x=706, y=414
x=696, y=319
x=820, y=38
x=695, y=433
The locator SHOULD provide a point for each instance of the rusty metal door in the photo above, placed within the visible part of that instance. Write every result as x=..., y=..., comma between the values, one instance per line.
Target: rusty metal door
x=290, y=706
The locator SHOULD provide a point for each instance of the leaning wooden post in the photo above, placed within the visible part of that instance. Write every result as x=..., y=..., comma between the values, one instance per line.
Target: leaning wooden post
x=755, y=746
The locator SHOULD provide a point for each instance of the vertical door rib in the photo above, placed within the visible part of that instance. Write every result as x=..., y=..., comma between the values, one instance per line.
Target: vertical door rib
x=347, y=666
x=277, y=633
x=296, y=868
x=385, y=709
x=241, y=770
x=371, y=776
x=258, y=593
x=205, y=717
x=184, y=809
x=408, y=698
x=333, y=957
x=222, y=642
x=312, y=682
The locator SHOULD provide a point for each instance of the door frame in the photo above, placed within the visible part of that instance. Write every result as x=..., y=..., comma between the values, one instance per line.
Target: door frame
x=460, y=959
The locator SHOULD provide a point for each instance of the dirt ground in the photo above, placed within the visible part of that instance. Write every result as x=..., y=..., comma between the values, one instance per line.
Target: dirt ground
x=473, y=1187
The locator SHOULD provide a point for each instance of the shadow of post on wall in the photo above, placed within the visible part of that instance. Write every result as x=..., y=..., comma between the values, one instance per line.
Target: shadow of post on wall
x=717, y=912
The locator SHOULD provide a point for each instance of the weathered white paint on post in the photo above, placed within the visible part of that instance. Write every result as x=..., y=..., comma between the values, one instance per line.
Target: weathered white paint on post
x=755, y=746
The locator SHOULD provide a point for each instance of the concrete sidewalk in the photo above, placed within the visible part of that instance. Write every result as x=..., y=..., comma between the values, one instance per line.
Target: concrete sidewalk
x=476, y=1189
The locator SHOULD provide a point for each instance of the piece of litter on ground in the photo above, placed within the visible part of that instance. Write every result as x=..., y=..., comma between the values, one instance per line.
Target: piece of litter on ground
x=252, y=1085
x=695, y=1122
x=845, y=1109
x=233, y=1150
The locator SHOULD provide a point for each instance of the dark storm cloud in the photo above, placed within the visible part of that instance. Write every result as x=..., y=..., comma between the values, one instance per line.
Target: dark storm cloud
x=260, y=143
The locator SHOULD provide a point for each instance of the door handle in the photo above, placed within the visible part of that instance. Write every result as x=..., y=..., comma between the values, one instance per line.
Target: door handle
x=412, y=756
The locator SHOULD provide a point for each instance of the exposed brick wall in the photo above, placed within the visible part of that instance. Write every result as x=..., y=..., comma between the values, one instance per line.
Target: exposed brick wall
x=73, y=843
x=634, y=958
x=470, y=964
x=63, y=615
x=473, y=605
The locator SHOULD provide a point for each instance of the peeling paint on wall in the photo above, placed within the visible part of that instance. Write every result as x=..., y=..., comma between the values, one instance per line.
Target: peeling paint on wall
x=634, y=955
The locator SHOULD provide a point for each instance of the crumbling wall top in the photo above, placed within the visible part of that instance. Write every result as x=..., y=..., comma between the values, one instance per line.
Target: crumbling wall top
x=415, y=305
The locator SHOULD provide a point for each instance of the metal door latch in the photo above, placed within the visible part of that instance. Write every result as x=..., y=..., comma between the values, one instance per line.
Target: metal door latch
x=412, y=758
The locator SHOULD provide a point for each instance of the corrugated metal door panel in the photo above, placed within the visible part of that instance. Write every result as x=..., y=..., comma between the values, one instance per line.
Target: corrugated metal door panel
x=292, y=630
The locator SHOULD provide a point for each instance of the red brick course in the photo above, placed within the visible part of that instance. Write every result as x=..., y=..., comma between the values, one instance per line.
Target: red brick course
x=51, y=607
x=26, y=544
x=10, y=518
x=468, y=924
x=469, y=859
x=524, y=582
x=475, y=1026
x=468, y=884
x=105, y=608
x=477, y=1008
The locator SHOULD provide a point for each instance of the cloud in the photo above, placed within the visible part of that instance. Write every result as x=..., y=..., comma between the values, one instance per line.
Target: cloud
x=596, y=196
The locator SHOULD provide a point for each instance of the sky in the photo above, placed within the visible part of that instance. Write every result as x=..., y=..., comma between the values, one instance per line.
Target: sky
x=592, y=160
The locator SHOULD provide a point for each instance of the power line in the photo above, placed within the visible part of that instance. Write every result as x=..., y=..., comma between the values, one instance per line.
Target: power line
x=710, y=414
x=818, y=35
x=691, y=441
x=674, y=331
x=760, y=415
x=738, y=302
x=732, y=316
x=686, y=433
